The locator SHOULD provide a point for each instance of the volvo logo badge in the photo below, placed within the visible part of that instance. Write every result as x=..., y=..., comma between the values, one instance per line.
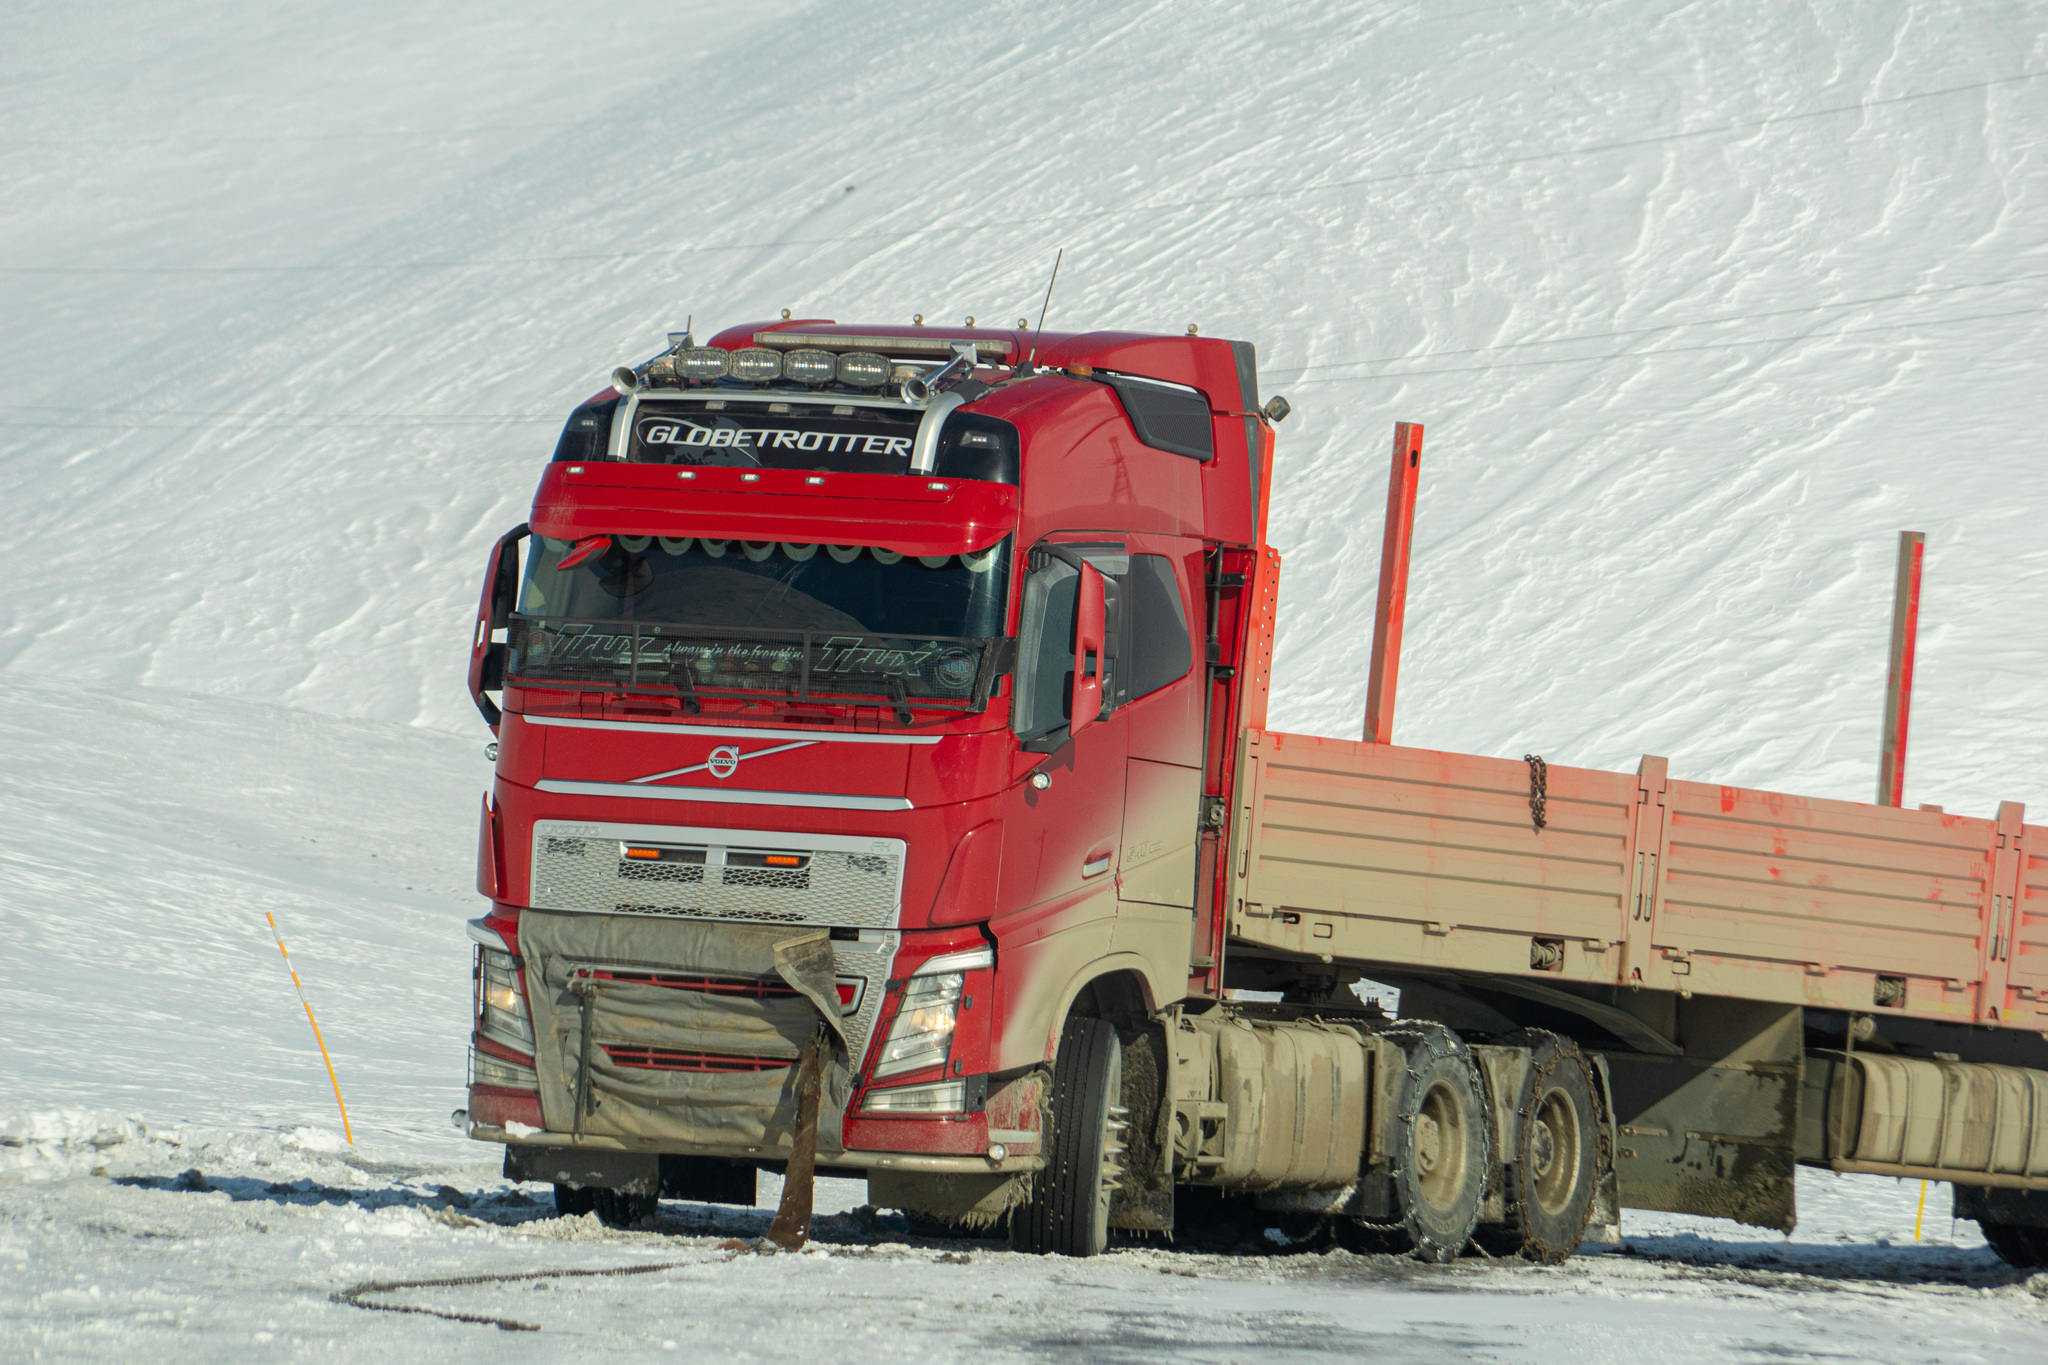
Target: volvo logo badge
x=724, y=761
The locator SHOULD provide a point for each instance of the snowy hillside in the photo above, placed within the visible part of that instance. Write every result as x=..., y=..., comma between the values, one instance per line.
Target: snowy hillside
x=1701, y=305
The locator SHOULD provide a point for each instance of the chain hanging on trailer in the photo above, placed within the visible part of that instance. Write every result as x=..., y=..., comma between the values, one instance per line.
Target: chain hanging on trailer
x=1539, y=790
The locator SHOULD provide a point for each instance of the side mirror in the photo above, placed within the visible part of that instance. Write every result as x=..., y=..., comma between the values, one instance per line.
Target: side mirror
x=1084, y=702
x=500, y=594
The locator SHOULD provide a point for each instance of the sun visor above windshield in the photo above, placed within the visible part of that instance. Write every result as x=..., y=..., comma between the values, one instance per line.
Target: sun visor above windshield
x=909, y=514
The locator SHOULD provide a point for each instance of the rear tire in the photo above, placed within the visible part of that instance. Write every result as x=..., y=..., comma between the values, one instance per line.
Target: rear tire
x=1067, y=1213
x=573, y=1201
x=1441, y=1145
x=2022, y=1248
x=1553, y=1176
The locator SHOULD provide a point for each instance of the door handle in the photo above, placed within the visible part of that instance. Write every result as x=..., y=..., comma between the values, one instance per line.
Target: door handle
x=1095, y=866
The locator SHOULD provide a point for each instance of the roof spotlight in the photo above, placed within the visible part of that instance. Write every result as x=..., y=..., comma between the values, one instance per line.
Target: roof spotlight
x=756, y=365
x=810, y=367
x=702, y=363
x=864, y=370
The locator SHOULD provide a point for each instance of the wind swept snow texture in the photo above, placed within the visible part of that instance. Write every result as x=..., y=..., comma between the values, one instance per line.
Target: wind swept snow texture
x=1701, y=305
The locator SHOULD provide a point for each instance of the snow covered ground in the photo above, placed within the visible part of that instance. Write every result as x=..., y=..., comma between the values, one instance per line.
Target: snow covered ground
x=201, y=1245
x=1701, y=303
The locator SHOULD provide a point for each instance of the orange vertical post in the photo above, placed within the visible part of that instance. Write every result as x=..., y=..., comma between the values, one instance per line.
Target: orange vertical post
x=1393, y=604
x=1898, y=692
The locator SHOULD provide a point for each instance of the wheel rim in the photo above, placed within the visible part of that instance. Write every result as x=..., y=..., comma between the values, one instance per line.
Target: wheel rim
x=1438, y=1146
x=1555, y=1143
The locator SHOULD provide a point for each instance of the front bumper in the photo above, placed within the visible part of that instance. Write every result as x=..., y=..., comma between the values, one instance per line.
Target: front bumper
x=849, y=1160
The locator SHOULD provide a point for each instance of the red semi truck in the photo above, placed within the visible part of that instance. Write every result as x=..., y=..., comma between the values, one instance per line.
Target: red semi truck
x=884, y=788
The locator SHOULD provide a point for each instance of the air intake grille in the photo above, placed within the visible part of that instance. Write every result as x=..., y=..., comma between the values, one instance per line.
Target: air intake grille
x=674, y=1059
x=848, y=882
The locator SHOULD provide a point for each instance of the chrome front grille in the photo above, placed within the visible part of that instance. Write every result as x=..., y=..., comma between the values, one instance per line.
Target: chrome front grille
x=843, y=882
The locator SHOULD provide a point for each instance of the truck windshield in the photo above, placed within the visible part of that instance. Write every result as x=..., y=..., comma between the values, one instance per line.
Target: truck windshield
x=724, y=616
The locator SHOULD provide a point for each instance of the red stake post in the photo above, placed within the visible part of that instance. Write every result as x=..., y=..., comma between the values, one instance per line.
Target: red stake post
x=1393, y=605
x=1898, y=693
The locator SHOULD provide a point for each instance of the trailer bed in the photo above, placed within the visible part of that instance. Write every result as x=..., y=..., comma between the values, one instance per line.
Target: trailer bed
x=1412, y=858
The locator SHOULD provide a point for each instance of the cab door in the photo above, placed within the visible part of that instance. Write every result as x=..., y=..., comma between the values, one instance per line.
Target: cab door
x=1064, y=831
x=1063, y=815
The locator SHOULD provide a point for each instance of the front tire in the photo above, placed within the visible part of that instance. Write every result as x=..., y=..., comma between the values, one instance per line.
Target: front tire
x=573, y=1201
x=1067, y=1213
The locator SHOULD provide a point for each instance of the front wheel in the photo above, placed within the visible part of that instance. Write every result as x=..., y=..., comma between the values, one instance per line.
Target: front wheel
x=1068, y=1210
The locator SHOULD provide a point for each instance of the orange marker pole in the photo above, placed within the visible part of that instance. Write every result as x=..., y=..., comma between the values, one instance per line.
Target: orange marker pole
x=346, y=1131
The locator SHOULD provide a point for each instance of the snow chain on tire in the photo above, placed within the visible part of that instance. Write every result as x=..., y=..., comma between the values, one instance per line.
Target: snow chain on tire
x=1442, y=1141
x=1548, y=1224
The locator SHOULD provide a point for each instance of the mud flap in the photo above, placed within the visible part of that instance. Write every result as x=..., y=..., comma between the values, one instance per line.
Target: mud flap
x=1714, y=1131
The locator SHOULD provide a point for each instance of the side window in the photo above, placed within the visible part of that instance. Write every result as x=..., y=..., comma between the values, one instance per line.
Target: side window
x=1045, y=640
x=1045, y=650
x=1159, y=651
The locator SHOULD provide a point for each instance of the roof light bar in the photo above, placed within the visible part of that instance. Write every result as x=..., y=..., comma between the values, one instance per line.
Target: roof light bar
x=702, y=363
x=927, y=345
x=810, y=366
x=864, y=370
x=756, y=365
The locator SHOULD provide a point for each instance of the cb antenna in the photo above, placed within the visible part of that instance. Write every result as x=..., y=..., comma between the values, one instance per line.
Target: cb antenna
x=1042, y=307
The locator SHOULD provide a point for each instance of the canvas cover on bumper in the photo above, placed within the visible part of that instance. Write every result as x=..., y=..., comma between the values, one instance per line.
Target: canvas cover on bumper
x=570, y=961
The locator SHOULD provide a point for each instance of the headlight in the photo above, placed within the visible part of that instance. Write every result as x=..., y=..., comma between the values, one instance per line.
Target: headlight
x=502, y=1011
x=863, y=370
x=485, y=1069
x=946, y=1097
x=922, y=1035
x=702, y=362
x=756, y=365
x=810, y=367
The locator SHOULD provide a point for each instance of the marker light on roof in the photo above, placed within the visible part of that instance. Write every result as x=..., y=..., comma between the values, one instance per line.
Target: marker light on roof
x=864, y=370
x=756, y=365
x=702, y=362
x=810, y=367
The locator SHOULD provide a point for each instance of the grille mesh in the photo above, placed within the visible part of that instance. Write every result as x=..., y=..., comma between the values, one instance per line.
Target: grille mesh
x=582, y=872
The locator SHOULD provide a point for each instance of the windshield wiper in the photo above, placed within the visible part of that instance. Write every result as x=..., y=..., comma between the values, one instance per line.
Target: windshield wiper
x=901, y=697
x=686, y=689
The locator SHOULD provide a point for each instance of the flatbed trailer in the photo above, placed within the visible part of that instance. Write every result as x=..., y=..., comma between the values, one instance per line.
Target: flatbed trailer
x=884, y=787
